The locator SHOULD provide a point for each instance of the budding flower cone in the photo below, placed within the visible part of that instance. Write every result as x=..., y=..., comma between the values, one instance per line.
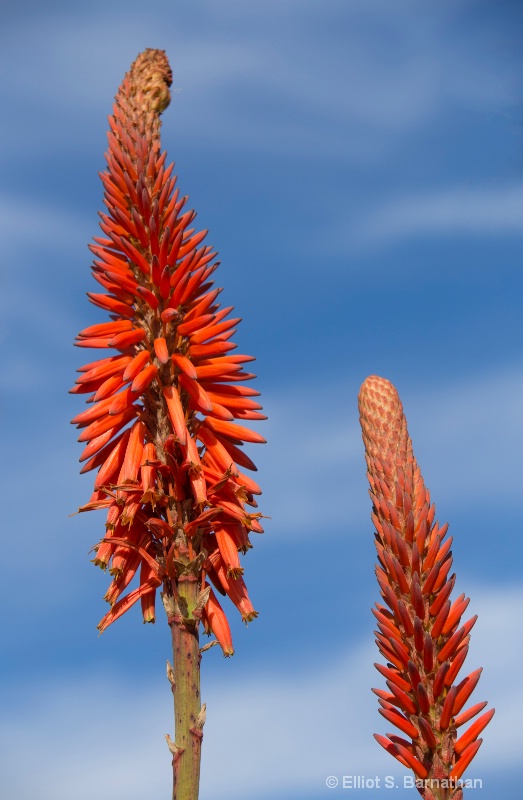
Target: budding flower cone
x=420, y=633
x=164, y=424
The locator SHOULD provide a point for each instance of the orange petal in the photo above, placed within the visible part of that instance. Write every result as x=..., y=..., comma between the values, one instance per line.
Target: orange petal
x=109, y=387
x=218, y=624
x=111, y=304
x=473, y=732
x=196, y=393
x=96, y=444
x=148, y=472
x=144, y=378
x=469, y=713
x=135, y=256
x=204, y=334
x=454, y=668
x=216, y=370
x=214, y=348
x=133, y=453
x=124, y=340
x=107, y=328
x=446, y=712
x=151, y=300
x=106, y=423
x=394, y=676
x=104, y=368
x=125, y=604
x=466, y=757
x=185, y=365
x=95, y=411
x=400, y=722
x=234, y=431
x=160, y=348
x=113, y=462
x=465, y=689
x=449, y=648
x=121, y=401
x=228, y=550
x=175, y=411
x=136, y=365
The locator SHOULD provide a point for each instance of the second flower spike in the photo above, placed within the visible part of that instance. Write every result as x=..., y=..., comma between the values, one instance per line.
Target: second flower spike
x=420, y=633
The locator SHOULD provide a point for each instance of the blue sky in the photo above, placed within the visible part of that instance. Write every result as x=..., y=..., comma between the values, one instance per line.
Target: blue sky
x=359, y=165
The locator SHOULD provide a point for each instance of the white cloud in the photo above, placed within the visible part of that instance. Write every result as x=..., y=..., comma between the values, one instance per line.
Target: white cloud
x=269, y=734
x=482, y=211
x=27, y=223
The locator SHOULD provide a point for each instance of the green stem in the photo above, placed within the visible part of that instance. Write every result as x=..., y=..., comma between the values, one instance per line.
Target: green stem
x=189, y=715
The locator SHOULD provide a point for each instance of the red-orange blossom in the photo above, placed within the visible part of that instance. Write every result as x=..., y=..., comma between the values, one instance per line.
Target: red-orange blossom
x=419, y=629
x=163, y=427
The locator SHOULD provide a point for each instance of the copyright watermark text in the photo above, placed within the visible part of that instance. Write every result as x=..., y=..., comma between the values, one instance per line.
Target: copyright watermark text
x=407, y=782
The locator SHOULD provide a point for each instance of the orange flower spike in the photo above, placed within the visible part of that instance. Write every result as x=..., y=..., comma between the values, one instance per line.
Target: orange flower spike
x=159, y=442
x=415, y=559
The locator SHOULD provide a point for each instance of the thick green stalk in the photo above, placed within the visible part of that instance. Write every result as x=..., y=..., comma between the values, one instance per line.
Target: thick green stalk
x=184, y=675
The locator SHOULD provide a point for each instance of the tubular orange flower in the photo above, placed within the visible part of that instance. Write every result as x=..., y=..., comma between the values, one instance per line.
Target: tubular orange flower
x=419, y=629
x=159, y=428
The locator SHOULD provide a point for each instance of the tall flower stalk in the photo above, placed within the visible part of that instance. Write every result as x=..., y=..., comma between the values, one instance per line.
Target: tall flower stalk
x=419, y=629
x=162, y=426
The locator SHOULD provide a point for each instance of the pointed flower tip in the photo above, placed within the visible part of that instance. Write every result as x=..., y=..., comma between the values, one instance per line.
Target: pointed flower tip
x=374, y=383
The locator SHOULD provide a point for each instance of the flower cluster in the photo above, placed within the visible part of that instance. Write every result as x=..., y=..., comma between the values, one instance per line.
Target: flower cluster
x=161, y=427
x=419, y=629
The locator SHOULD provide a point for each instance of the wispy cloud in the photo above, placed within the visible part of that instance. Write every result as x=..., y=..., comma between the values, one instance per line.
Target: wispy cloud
x=27, y=223
x=480, y=212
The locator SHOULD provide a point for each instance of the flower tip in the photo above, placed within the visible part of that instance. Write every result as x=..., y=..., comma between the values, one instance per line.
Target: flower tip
x=235, y=572
x=377, y=392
